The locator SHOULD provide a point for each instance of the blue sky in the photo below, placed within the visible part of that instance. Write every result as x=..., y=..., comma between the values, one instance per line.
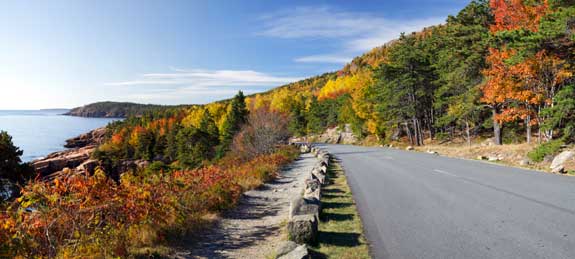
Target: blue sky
x=69, y=53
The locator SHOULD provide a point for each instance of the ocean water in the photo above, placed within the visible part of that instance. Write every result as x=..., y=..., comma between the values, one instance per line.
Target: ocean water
x=41, y=132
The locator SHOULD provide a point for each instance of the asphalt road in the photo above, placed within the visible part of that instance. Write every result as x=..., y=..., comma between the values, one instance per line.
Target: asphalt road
x=418, y=205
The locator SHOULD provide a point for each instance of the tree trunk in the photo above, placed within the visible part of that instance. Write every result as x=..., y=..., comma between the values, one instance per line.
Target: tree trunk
x=467, y=132
x=528, y=129
x=539, y=134
x=496, y=129
x=415, y=131
x=431, y=127
x=408, y=131
x=420, y=133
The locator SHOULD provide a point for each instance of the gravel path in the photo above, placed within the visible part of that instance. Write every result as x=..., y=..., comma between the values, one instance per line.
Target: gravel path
x=252, y=229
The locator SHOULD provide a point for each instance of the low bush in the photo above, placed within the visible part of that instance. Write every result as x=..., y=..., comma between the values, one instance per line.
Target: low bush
x=79, y=216
x=545, y=149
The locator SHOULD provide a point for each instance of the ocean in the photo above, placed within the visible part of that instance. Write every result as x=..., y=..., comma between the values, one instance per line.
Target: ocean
x=41, y=132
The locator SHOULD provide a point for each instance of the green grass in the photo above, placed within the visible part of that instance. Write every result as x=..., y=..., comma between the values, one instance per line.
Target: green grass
x=340, y=229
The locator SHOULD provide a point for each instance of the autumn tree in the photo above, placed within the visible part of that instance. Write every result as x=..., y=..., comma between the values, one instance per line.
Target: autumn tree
x=263, y=132
x=525, y=74
x=517, y=14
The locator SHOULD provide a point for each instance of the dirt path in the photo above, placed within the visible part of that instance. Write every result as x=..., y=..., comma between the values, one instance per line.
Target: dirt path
x=253, y=229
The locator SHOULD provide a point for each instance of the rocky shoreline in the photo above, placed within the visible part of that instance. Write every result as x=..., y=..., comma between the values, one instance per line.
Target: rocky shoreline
x=77, y=158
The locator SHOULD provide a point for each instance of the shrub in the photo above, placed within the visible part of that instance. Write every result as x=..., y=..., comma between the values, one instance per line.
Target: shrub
x=95, y=217
x=545, y=149
x=262, y=134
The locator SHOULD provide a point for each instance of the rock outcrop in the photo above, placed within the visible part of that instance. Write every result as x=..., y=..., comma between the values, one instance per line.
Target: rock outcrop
x=558, y=164
x=92, y=138
x=57, y=161
x=337, y=135
x=76, y=159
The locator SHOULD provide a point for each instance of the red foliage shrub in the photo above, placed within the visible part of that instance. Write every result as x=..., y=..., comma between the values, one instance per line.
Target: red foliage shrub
x=93, y=216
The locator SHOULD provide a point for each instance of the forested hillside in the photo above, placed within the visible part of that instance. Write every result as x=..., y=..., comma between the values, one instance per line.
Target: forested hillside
x=115, y=109
x=502, y=68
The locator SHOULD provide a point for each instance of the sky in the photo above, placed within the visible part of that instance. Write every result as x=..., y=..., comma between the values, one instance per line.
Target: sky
x=64, y=54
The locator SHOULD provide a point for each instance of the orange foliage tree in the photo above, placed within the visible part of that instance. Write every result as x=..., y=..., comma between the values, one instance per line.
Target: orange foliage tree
x=516, y=14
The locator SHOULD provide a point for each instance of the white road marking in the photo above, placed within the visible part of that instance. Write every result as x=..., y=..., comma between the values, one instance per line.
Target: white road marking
x=443, y=172
x=388, y=157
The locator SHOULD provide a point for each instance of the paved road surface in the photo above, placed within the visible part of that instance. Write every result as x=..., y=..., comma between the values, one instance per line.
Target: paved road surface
x=417, y=205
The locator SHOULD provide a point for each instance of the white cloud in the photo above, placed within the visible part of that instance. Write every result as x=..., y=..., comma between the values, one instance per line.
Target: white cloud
x=199, y=85
x=317, y=22
x=201, y=77
x=357, y=32
x=324, y=59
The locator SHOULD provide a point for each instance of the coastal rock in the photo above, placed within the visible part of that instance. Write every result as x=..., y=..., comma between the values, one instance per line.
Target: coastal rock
x=65, y=159
x=94, y=137
x=77, y=159
x=89, y=166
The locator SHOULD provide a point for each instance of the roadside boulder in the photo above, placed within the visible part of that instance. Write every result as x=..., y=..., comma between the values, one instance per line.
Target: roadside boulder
x=524, y=162
x=318, y=175
x=493, y=158
x=409, y=148
x=312, y=190
x=303, y=229
x=558, y=163
x=299, y=252
x=285, y=248
x=301, y=206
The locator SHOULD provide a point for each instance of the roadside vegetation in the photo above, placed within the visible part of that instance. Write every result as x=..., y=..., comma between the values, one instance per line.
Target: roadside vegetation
x=195, y=169
x=340, y=229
